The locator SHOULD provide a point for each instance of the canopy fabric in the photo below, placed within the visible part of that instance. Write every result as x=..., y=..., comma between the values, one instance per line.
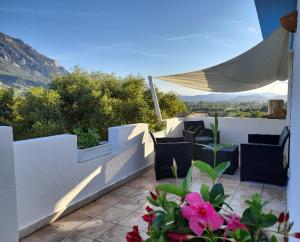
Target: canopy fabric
x=263, y=64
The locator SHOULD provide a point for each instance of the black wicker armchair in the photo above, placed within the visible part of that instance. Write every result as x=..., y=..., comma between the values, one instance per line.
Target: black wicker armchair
x=262, y=159
x=168, y=148
x=195, y=132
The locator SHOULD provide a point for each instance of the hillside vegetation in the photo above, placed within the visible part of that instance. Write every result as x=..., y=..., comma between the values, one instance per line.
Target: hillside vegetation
x=22, y=66
x=85, y=103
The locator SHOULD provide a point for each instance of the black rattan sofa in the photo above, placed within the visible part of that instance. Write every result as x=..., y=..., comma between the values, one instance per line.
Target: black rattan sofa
x=168, y=148
x=262, y=159
x=195, y=132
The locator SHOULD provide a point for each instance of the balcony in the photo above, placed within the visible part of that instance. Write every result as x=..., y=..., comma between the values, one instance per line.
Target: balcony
x=63, y=196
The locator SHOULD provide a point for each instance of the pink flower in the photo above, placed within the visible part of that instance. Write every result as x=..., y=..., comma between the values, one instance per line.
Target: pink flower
x=134, y=235
x=234, y=222
x=281, y=217
x=201, y=214
x=148, y=209
x=296, y=235
x=148, y=218
x=154, y=196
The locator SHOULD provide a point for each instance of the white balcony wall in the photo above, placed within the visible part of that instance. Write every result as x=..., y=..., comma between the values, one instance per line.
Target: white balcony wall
x=49, y=178
x=8, y=200
x=294, y=182
x=236, y=130
x=232, y=130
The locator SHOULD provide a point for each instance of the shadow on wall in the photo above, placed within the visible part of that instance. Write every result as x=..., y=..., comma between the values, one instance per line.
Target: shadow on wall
x=118, y=167
x=67, y=199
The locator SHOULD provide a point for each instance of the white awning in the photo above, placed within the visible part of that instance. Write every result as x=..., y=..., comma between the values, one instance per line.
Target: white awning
x=263, y=64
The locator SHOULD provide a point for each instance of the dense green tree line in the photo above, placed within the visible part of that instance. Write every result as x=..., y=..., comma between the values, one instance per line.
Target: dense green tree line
x=83, y=102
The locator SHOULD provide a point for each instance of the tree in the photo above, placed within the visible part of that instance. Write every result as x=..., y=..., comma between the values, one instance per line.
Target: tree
x=6, y=105
x=87, y=101
x=38, y=114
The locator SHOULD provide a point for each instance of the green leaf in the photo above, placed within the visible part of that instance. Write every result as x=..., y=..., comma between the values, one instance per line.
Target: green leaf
x=187, y=180
x=248, y=218
x=207, y=169
x=171, y=188
x=242, y=235
x=268, y=220
x=162, y=239
x=217, y=190
x=205, y=192
x=222, y=167
x=273, y=239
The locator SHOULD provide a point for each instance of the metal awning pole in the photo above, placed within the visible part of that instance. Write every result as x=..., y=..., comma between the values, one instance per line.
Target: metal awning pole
x=155, y=100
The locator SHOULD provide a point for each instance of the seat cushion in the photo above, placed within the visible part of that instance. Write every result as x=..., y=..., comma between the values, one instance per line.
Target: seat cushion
x=205, y=139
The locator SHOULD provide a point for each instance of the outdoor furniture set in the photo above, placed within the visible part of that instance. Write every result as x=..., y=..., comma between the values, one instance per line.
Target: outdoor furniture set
x=261, y=160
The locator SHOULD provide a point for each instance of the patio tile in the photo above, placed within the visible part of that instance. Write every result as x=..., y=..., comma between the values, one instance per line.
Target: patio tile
x=276, y=207
x=237, y=210
x=116, y=234
x=142, y=208
x=251, y=185
x=70, y=222
x=124, y=190
x=109, y=218
x=74, y=237
x=274, y=193
x=47, y=234
x=94, y=228
x=110, y=199
x=130, y=203
x=113, y=214
x=135, y=218
x=239, y=201
x=143, y=183
x=92, y=209
x=140, y=194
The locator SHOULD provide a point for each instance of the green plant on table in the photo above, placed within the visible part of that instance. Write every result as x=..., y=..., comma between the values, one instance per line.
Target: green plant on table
x=216, y=195
x=87, y=139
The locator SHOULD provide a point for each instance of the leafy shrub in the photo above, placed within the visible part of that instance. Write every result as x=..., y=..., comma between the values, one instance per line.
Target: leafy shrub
x=87, y=139
x=38, y=114
x=84, y=100
x=6, y=105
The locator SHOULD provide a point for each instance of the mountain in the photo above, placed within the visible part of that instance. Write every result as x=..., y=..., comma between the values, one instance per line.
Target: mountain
x=23, y=66
x=238, y=98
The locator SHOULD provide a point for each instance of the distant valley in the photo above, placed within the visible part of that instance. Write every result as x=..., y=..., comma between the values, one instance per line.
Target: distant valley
x=233, y=97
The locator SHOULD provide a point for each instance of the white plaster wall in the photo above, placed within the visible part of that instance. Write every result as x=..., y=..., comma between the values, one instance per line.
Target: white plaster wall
x=174, y=127
x=235, y=130
x=49, y=177
x=294, y=182
x=8, y=200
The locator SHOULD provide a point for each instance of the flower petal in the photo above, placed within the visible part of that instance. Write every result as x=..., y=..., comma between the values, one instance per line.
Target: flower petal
x=194, y=198
x=188, y=212
x=195, y=226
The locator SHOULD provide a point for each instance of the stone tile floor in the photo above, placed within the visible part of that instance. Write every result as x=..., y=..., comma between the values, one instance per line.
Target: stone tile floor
x=109, y=218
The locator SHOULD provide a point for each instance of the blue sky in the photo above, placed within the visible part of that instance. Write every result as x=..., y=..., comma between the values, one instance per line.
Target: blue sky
x=149, y=37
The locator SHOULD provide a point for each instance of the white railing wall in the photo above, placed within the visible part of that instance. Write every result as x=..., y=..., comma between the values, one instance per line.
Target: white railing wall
x=8, y=200
x=49, y=178
x=232, y=130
